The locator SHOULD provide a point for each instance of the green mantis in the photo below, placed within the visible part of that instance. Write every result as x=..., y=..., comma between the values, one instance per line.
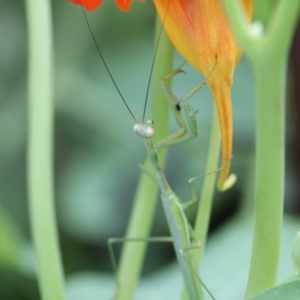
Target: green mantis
x=180, y=229
x=182, y=235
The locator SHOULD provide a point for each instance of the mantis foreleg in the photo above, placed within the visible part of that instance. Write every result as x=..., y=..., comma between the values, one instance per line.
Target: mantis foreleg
x=188, y=130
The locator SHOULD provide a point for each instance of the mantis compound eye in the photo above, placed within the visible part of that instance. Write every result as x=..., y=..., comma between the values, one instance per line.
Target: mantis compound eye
x=144, y=130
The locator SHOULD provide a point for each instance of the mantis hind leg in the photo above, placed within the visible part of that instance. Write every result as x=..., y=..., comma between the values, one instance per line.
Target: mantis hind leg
x=112, y=241
x=187, y=260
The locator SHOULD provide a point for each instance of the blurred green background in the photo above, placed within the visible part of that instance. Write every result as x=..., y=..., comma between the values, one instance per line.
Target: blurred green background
x=97, y=156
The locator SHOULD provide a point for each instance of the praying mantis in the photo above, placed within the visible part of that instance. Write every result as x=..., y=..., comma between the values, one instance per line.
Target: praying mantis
x=182, y=234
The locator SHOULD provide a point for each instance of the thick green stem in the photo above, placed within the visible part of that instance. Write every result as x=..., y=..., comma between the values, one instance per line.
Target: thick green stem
x=268, y=52
x=40, y=146
x=145, y=202
x=270, y=145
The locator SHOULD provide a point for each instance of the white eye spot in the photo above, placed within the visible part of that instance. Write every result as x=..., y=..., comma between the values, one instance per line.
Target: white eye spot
x=136, y=128
x=144, y=130
x=149, y=132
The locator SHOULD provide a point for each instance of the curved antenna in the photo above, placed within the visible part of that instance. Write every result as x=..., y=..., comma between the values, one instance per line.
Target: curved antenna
x=153, y=61
x=105, y=65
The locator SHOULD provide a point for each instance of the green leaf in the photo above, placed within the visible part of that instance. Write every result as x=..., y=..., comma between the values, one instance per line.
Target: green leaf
x=289, y=290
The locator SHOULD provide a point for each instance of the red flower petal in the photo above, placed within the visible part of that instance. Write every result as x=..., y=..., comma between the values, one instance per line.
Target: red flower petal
x=125, y=5
x=88, y=4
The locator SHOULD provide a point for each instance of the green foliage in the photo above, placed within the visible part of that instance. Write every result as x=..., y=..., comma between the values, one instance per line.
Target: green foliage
x=289, y=290
x=96, y=158
x=11, y=242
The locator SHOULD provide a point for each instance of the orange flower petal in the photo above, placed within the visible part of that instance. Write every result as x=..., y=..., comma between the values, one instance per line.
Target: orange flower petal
x=199, y=31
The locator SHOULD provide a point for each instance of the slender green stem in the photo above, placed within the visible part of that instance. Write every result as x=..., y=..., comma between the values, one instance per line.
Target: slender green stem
x=268, y=53
x=146, y=196
x=40, y=146
x=206, y=197
x=207, y=193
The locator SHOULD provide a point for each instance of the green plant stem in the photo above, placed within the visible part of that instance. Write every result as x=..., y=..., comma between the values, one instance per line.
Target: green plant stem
x=268, y=53
x=146, y=196
x=270, y=146
x=207, y=193
x=40, y=146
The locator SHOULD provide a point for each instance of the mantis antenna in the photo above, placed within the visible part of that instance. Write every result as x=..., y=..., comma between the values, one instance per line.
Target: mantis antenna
x=105, y=65
x=147, y=131
x=153, y=62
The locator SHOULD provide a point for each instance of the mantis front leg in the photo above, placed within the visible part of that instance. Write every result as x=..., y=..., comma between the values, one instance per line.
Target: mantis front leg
x=188, y=130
